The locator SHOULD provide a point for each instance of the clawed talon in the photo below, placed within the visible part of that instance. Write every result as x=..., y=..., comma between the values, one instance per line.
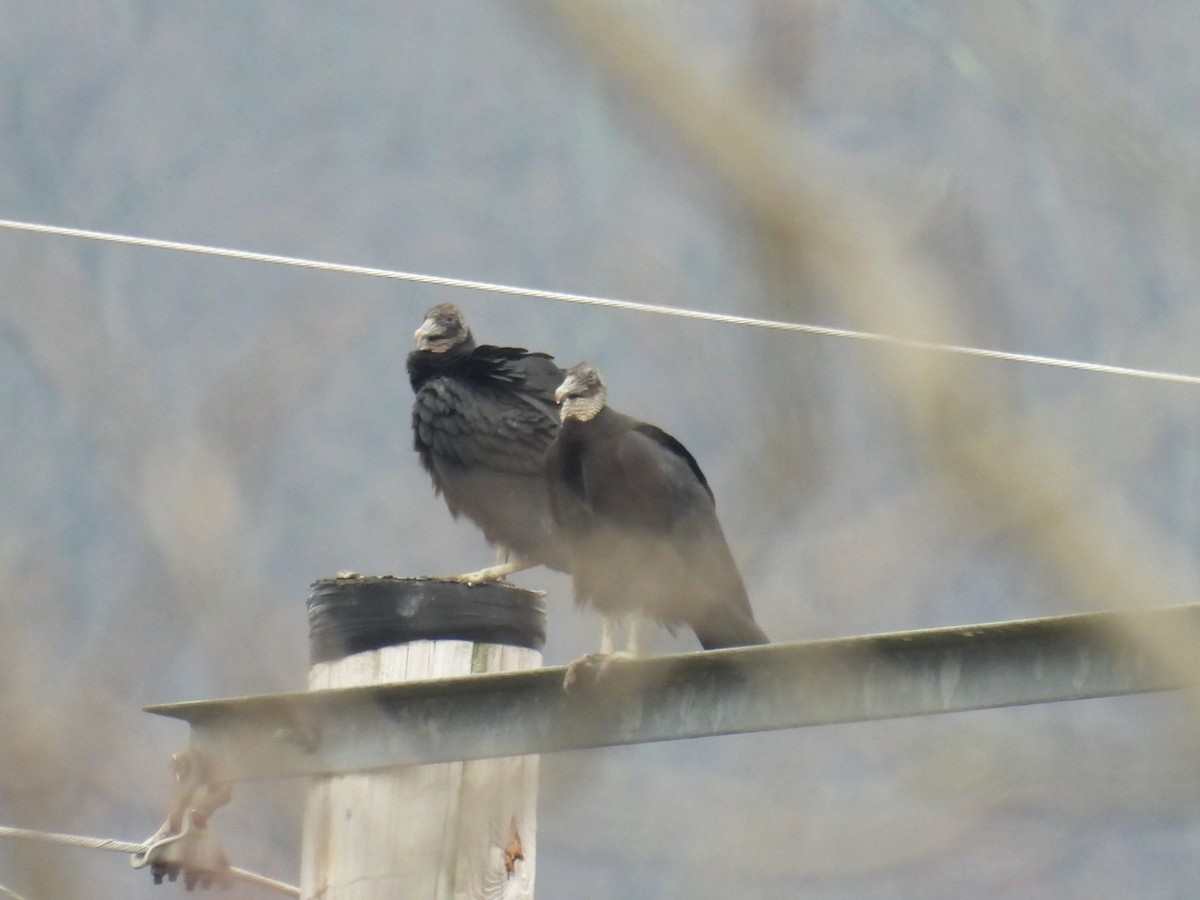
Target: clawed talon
x=586, y=663
x=493, y=573
x=484, y=576
x=593, y=667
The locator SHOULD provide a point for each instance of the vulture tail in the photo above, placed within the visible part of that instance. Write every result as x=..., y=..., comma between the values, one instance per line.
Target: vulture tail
x=733, y=629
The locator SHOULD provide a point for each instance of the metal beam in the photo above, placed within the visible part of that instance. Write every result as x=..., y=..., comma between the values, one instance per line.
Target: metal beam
x=683, y=696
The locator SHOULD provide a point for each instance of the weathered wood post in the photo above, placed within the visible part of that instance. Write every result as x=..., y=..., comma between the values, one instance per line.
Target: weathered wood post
x=454, y=830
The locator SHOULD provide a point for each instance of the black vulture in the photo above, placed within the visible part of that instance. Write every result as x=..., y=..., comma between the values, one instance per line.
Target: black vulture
x=482, y=419
x=638, y=517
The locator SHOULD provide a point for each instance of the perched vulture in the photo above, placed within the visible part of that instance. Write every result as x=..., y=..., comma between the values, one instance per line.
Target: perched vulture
x=482, y=420
x=638, y=518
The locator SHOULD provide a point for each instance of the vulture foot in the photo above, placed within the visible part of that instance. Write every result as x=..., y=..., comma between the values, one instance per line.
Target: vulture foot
x=593, y=668
x=493, y=573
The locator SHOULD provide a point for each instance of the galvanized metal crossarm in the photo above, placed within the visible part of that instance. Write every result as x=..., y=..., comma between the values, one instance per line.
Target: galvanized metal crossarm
x=685, y=696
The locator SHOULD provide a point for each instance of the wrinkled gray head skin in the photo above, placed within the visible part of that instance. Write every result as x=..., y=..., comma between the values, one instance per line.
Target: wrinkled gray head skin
x=444, y=328
x=582, y=394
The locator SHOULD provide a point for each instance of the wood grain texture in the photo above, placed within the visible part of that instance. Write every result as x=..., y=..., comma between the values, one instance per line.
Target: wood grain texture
x=456, y=830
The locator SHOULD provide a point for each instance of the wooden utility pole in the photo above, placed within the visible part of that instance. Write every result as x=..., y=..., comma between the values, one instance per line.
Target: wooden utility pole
x=433, y=832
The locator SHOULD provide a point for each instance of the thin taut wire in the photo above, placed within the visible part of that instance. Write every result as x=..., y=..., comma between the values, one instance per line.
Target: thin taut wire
x=611, y=303
x=90, y=843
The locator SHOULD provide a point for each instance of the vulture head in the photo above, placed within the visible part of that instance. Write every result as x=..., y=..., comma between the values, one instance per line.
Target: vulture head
x=444, y=328
x=582, y=394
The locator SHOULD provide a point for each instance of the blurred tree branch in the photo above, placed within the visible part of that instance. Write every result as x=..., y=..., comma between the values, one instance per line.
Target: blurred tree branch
x=1102, y=551
x=185, y=485
x=192, y=588
x=246, y=407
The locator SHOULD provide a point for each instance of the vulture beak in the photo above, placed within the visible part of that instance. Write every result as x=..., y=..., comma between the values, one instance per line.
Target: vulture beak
x=427, y=330
x=563, y=390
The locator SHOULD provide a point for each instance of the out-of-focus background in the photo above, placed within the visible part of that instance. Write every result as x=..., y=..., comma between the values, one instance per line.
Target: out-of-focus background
x=188, y=442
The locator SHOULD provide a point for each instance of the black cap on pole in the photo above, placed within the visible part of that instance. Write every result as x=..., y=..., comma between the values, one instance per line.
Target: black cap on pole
x=352, y=614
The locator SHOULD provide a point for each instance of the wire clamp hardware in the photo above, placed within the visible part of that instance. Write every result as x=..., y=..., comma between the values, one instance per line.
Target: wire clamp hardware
x=184, y=845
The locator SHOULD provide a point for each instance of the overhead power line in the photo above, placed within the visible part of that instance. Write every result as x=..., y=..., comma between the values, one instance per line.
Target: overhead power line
x=609, y=302
x=90, y=843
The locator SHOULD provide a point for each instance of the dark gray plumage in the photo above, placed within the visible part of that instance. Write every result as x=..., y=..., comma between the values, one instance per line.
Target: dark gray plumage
x=638, y=517
x=482, y=419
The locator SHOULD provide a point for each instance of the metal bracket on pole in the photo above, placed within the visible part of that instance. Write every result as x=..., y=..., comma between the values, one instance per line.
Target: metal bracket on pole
x=686, y=695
